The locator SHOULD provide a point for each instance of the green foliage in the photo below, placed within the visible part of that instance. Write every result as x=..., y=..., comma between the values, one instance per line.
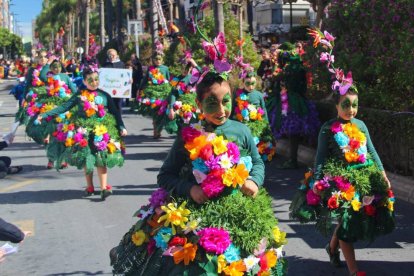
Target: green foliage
x=239, y=215
x=375, y=41
x=11, y=41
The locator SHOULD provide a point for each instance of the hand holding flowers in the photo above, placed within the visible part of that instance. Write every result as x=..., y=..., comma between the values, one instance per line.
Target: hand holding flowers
x=249, y=188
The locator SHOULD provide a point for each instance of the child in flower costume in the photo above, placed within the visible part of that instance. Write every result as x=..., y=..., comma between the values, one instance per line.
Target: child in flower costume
x=290, y=113
x=210, y=216
x=250, y=109
x=92, y=136
x=182, y=107
x=152, y=99
x=349, y=182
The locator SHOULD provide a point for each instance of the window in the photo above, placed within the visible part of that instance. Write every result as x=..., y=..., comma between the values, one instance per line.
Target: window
x=277, y=16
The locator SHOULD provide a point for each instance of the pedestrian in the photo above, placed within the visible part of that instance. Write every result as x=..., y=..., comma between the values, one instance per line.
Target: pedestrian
x=113, y=61
x=10, y=232
x=5, y=161
x=92, y=137
x=59, y=89
x=182, y=107
x=152, y=100
x=349, y=183
x=291, y=114
x=250, y=109
x=137, y=75
x=162, y=245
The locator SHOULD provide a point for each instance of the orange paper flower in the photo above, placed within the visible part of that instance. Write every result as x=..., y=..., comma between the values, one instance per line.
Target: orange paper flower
x=235, y=268
x=186, y=254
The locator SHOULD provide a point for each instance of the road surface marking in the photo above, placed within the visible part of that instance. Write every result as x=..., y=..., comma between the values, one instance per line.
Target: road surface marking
x=17, y=185
x=26, y=225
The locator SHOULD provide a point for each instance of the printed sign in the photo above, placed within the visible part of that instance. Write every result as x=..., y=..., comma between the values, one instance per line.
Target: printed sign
x=116, y=82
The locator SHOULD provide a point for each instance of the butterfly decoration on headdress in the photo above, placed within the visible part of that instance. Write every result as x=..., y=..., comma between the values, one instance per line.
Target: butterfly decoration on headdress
x=342, y=83
x=159, y=48
x=93, y=67
x=245, y=68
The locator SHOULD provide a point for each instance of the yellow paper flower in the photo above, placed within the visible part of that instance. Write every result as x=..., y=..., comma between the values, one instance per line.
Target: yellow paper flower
x=253, y=115
x=186, y=108
x=228, y=177
x=100, y=130
x=186, y=254
x=390, y=205
x=68, y=115
x=219, y=145
x=221, y=261
x=58, y=119
x=138, y=238
x=175, y=216
x=240, y=175
x=279, y=236
x=356, y=205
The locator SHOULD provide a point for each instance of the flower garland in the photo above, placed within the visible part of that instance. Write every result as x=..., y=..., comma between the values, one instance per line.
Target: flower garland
x=155, y=76
x=92, y=103
x=185, y=111
x=179, y=235
x=57, y=88
x=338, y=194
x=284, y=100
x=351, y=140
x=266, y=150
x=36, y=82
x=160, y=104
x=216, y=161
x=244, y=110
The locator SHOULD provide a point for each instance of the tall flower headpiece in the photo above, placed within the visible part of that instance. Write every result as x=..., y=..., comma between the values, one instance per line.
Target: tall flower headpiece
x=342, y=83
x=215, y=53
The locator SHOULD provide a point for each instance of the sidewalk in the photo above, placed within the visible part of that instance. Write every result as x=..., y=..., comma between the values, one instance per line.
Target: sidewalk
x=402, y=186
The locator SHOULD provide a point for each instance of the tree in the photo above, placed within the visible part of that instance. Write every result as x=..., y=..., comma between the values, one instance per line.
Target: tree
x=319, y=7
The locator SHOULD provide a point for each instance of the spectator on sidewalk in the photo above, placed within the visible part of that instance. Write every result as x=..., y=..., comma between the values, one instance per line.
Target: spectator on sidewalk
x=113, y=61
x=5, y=161
x=10, y=232
x=137, y=75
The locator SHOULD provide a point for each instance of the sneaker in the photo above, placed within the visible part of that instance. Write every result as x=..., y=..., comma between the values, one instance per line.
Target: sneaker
x=64, y=165
x=333, y=258
x=49, y=165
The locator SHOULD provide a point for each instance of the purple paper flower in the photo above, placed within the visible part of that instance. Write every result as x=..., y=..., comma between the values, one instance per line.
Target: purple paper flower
x=158, y=198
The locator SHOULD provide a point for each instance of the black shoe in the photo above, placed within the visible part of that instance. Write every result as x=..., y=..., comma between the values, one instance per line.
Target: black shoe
x=105, y=194
x=333, y=258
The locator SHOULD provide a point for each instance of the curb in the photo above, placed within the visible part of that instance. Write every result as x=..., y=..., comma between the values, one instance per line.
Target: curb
x=402, y=186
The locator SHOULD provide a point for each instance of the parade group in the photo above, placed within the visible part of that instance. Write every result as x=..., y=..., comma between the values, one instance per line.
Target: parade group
x=211, y=214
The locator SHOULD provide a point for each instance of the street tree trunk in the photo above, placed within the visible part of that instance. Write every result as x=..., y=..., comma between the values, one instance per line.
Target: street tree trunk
x=153, y=21
x=219, y=16
x=87, y=13
x=102, y=23
x=119, y=25
x=181, y=14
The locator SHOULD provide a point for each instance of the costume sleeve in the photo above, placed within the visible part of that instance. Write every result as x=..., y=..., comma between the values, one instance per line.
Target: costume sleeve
x=172, y=97
x=29, y=79
x=263, y=106
x=167, y=73
x=169, y=175
x=43, y=73
x=322, y=151
x=257, y=172
x=71, y=85
x=9, y=232
x=114, y=111
x=63, y=107
x=370, y=147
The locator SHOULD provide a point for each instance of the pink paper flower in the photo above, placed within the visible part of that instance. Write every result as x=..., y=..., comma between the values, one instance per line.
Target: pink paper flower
x=214, y=240
x=342, y=183
x=189, y=133
x=336, y=127
x=233, y=152
x=212, y=186
x=312, y=198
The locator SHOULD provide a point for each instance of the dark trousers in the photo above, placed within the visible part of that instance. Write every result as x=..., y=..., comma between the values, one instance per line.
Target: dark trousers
x=4, y=163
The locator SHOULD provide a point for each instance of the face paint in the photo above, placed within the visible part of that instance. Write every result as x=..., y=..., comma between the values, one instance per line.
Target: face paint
x=90, y=80
x=348, y=107
x=346, y=104
x=211, y=104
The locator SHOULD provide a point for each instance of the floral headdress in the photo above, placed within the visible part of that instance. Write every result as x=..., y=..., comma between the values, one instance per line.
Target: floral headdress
x=159, y=48
x=215, y=53
x=342, y=83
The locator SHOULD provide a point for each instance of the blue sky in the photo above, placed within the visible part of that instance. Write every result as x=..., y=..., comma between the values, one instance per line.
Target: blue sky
x=26, y=11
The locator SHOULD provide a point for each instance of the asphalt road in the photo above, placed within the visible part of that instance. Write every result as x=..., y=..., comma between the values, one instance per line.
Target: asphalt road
x=72, y=235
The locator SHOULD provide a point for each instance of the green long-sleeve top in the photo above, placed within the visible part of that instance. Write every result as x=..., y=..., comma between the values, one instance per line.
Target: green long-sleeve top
x=327, y=146
x=29, y=79
x=63, y=77
x=176, y=173
x=108, y=103
x=256, y=98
